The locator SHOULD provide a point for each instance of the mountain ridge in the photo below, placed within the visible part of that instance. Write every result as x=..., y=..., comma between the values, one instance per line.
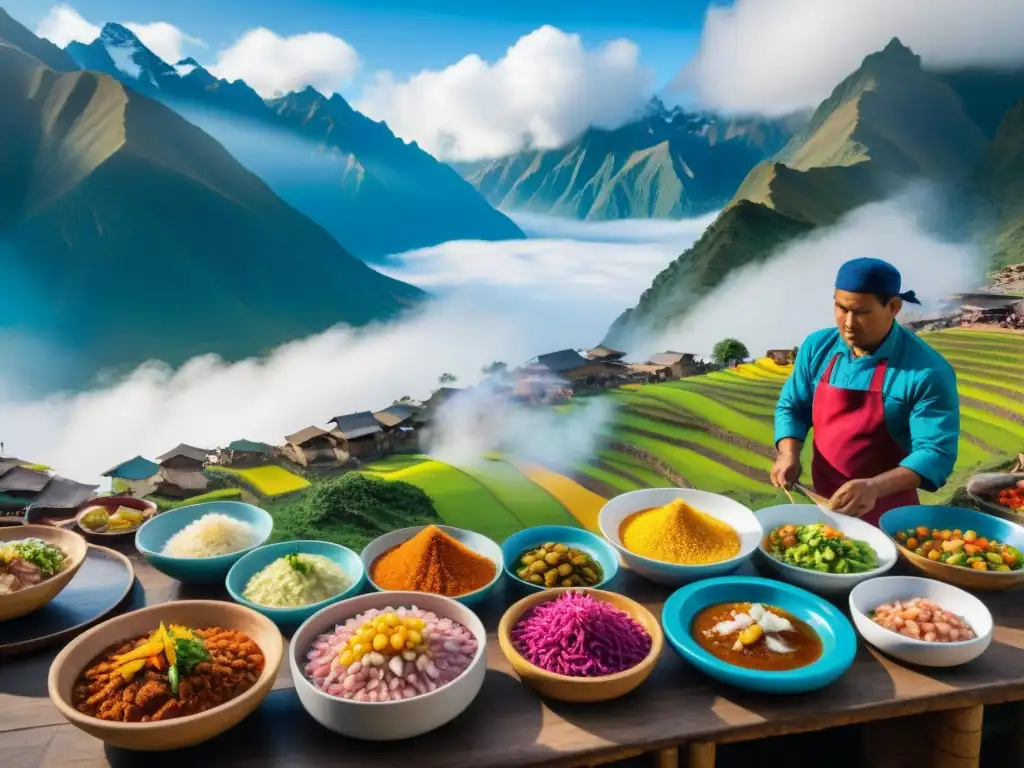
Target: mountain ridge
x=888, y=123
x=202, y=255
x=399, y=180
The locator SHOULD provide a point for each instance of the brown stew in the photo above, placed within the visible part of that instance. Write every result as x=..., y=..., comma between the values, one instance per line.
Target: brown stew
x=804, y=641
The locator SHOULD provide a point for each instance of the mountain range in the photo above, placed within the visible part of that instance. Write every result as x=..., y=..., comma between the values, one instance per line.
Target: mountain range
x=668, y=163
x=127, y=233
x=375, y=193
x=887, y=124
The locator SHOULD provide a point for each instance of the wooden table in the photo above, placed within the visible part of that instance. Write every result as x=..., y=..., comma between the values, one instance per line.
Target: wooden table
x=677, y=714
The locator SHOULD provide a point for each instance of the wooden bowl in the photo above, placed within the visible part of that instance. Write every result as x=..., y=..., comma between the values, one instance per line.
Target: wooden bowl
x=183, y=731
x=25, y=601
x=110, y=503
x=580, y=689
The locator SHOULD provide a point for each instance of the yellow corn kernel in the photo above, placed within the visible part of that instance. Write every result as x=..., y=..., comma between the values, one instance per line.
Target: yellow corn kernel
x=751, y=634
x=380, y=642
x=346, y=657
x=382, y=628
x=397, y=641
x=415, y=637
x=353, y=641
x=391, y=619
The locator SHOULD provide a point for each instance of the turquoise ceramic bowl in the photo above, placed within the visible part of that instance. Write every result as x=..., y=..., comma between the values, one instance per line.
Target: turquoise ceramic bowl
x=839, y=643
x=474, y=541
x=154, y=534
x=530, y=538
x=255, y=561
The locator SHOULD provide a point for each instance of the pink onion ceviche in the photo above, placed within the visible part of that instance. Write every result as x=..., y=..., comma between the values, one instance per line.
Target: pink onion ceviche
x=578, y=636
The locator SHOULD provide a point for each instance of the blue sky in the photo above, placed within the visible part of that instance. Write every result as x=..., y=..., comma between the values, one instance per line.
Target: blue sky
x=406, y=36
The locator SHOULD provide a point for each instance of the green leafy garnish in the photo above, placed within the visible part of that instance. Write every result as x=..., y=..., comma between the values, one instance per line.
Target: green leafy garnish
x=45, y=556
x=189, y=652
x=295, y=561
x=174, y=679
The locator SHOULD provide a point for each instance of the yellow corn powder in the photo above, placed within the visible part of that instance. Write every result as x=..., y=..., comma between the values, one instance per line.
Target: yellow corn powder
x=678, y=533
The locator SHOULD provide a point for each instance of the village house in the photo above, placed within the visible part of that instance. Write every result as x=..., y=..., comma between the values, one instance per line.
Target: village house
x=649, y=372
x=181, y=472
x=605, y=354
x=578, y=371
x=248, y=453
x=59, y=500
x=314, y=446
x=137, y=477
x=19, y=485
x=782, y=356
x=363, y=435
x=679, y=364
x=402, y=423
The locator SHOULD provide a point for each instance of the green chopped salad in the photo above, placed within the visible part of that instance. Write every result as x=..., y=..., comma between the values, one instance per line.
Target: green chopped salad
x=820, y=547
x=41, y=554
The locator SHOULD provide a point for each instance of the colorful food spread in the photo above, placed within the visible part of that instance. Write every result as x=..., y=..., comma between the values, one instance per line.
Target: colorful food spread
x=211, y=535
x=100, y=520
x=173, y=672
x=922, y=619
x=678, y=533
x=390, y=655
x=820, y=547
x=964, y=549
x=27, y=562
x=580, y=636
x=756, y=636
x=558, y=565
x=296, y=580
x=432, y=561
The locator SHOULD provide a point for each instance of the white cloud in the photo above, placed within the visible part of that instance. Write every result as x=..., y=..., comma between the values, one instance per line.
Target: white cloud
x=508, y=312
x=762, y=306
x=62, y=24
x=163, y=39
x=273, y=65
x=546, y=89
x=775, y=56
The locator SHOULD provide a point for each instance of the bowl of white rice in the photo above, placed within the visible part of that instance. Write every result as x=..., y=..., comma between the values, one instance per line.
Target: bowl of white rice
x=201, y=542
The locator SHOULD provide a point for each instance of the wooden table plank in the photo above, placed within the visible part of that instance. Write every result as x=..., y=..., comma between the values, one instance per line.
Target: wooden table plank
x=508, y=725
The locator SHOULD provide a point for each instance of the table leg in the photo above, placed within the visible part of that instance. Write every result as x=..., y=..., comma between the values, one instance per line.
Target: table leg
x=952, y=740
x=701, y=754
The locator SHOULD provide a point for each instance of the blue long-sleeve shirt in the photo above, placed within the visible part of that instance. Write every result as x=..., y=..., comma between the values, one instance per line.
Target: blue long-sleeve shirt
x=922, y=407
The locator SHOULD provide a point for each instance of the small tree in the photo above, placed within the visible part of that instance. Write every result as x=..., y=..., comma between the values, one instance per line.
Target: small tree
x=447, y=378
x=729, y=349
x=494, y=368
x=402, y=400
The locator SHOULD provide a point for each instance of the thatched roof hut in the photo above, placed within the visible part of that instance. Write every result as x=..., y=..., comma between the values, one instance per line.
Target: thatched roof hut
x=604, y=353
x=181, y=483
x=184, y=456
x=314, y=445
x=354, y=426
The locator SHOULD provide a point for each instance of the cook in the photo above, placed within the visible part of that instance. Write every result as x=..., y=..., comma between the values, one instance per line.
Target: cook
x=883, y=404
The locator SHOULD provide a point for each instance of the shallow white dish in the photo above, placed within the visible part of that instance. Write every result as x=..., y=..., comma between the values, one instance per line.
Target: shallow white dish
x=870, y=594
x=388, y=720
x=830, y=584
x=721, y=507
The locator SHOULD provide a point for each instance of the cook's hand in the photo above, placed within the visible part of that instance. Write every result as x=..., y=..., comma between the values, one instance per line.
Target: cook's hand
x=856, y=498
x=786, y=470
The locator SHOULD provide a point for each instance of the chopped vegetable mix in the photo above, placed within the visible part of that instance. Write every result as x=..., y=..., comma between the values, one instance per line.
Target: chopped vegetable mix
x=819, y=547
x=44, y=556
x=965, y=549
x=1012, y=497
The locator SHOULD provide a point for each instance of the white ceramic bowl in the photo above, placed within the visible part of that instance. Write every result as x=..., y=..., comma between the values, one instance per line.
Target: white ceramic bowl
x=721, y=507
x=388, y=720
x=829, y=584
x=870, y=594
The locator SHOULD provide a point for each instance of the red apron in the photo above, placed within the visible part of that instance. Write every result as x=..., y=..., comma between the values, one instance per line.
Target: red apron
x=852, y=441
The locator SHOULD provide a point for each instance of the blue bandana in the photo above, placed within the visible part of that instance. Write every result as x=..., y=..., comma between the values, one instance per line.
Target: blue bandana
x=872, y=276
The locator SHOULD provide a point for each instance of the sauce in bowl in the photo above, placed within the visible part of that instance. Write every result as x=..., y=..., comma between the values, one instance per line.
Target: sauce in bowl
x=756, y=636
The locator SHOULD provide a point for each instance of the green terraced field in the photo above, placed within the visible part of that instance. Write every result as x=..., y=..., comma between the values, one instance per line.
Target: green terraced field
x=722, y=435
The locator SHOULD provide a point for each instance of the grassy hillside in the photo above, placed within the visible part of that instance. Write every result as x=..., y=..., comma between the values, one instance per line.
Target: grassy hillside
x=710, y=432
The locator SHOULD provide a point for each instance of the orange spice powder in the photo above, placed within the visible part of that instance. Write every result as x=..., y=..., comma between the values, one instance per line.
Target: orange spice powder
x=432, y=561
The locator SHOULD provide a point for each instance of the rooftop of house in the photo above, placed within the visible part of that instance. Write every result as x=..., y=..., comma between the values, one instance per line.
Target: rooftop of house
x=356, y=425
x=305, y=435
x=23, y=480
x=187, y=451
x=138, y=468
x=250, y=446
x=61, y=493
x=563, y=360
x=602, y=352
x=397, y=413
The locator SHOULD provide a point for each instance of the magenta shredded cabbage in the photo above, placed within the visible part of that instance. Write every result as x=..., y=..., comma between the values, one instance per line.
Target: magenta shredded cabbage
x=578, y=636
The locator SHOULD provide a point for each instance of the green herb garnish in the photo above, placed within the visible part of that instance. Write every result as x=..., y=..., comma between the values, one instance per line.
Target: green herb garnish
x=295, y=561
x=45, y=556
x=189, y=652
x=174, y=679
